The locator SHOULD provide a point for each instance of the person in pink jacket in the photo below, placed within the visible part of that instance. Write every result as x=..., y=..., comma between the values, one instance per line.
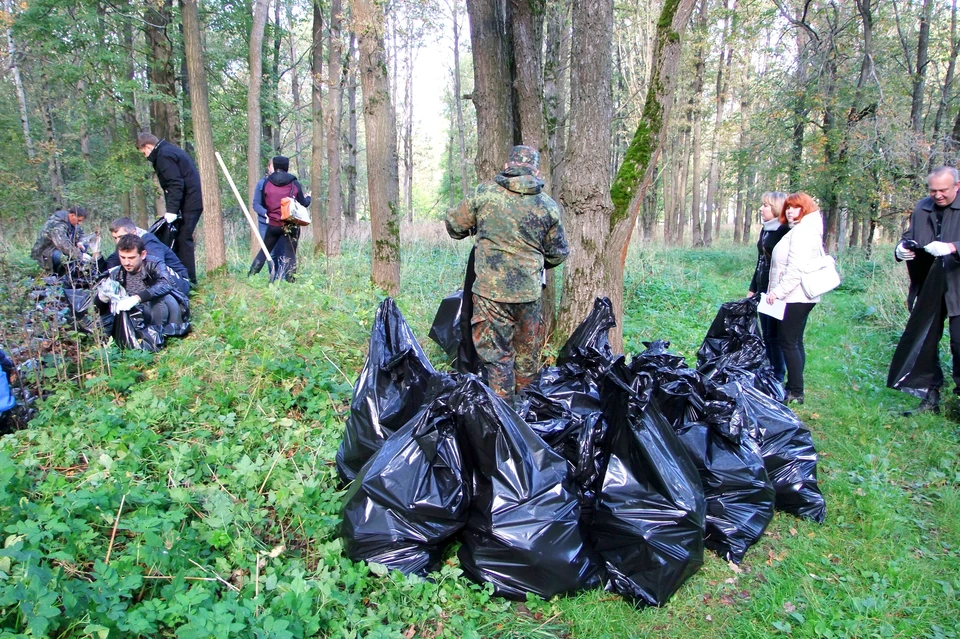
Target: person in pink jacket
x=798, y=248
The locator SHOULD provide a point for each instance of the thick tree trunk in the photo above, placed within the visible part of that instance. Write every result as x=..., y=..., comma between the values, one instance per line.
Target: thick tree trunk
x=295, y=89
x=334, y=209
x=164, y=121
x=203, y=134
x=317, y=141
x=586, y=192
x=492, y=80
x=555, y=70
x=379, y=120
x=254, y=165
x=458, y=98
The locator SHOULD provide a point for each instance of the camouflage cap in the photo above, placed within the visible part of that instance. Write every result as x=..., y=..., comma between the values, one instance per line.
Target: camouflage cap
x=525, y=156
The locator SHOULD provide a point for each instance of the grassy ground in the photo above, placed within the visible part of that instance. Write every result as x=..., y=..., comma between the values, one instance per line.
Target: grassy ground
x=220, y=450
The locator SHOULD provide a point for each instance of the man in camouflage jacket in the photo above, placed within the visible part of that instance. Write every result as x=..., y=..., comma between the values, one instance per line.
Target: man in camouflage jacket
x=518, y=234
x=59, y=239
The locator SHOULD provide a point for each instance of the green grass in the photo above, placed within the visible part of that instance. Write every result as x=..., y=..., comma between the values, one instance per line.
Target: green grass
x=221, y=448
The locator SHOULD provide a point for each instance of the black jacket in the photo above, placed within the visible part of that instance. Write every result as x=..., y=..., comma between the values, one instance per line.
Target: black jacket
x=765, y=244
x=159, y=281
x=923, y=230
x=178, y=178
x=157, y=251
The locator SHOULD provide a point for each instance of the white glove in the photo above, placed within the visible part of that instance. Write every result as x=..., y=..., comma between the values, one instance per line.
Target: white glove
x=939, y=249
x=94, y=246
x=903, y=253
x=170, y=217
x=126, y=303
x=85, y=258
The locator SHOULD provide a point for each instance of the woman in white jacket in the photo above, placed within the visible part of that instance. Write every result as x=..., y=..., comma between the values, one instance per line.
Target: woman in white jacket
x=798, y=248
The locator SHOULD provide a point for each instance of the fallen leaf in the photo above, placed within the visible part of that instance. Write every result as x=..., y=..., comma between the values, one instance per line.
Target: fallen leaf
x=789, y=607
x=410, y=632
x=734, y=567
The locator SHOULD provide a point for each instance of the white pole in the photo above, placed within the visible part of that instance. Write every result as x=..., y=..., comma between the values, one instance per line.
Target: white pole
x=246, y=213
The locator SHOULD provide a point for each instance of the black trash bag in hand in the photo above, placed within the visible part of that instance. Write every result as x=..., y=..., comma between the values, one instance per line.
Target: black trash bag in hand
x=523, y=532
x=788, y=454
x=166, y=232
x=649, y=522
x=589, y=345
x=410, y=498
x=388, y=393
x=915, y=367
x=445, y=329
x=739, y=494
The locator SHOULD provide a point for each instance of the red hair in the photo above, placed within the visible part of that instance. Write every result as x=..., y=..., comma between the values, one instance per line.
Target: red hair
x=804, y=201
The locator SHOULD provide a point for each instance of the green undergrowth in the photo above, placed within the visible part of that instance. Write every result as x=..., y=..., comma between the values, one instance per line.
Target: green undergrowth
x=193, y=493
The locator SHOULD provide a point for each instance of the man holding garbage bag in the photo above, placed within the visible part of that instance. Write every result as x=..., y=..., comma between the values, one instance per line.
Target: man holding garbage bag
x=518, y=234
x=935, y=230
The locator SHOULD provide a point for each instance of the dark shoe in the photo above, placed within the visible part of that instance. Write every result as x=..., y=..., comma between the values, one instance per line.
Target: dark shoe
x=793, y=398
x=929, y=404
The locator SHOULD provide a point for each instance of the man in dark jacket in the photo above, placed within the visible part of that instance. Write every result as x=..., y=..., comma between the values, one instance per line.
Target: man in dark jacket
x=519, y=233
x=157, y=251
x=280, y=236
x=935, y=229
x=147, y=284
x=60, y=242
x=181, y=187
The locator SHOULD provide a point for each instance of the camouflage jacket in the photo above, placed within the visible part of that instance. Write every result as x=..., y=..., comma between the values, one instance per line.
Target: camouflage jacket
x=57, y=234
x=518, y=231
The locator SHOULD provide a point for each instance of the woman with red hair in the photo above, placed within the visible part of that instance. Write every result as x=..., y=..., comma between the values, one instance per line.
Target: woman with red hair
x=798, y=248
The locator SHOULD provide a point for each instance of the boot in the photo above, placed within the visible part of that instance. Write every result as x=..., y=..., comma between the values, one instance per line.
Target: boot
x=929, y=404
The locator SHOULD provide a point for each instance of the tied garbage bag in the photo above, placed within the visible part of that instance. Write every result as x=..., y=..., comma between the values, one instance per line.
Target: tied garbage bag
x=522, y=533
x=165, y=231
x=915, y=367
x=589, y=345
x=788, y=454
x=649, y=521
x=389, y=391
x=131, y=331
x=739, y=494
x=410, y=498
x=679, y=389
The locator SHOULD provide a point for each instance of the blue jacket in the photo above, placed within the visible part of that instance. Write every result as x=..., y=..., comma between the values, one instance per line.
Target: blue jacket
x=258, y=204
x=158, y=252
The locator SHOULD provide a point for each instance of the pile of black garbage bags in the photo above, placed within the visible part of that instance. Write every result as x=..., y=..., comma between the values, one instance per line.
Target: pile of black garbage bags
x=609, y=474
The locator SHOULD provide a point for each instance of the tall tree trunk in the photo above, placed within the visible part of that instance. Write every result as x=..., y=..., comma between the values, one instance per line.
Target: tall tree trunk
x=54, y=165
x=492, y=80
x=697, y=115
x=458, y=98
x=164, y=120
x=639, y=164
x=350, y=171
x=276, y=138
x=295, y=88
x=951, y=72
x=18, y=83
x=683, y=154
x=334, y=207
x=919, y=79
x=408, y=126
x=203, y=132
x=318, y=143
x=254, y=165
x=379, y=120
x=555, y=70
x=713, y=184
x=451, y=192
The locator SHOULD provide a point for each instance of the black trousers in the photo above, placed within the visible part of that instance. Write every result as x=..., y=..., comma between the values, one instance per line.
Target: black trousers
x=186, y=246
x=770, y=327
x=282, y=242
x=791, y=343
x=954, y=323
x=165, y=310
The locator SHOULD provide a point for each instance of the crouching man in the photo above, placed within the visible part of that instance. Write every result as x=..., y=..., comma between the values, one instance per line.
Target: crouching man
x=144, y=285
x=157, y=251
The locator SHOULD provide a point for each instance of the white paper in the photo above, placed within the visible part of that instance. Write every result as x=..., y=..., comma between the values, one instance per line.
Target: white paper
x=775, y=310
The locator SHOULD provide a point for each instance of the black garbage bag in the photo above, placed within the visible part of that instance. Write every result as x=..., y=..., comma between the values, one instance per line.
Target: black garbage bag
x=79, y=303
x=679, y=390
x=166, y=232
x=589, y=345
x=410, y=498
x=130, y=330
x=649, y=522
x=388, y=393
x=452, y=328
x=739, y=494
x=523, y=532
x=788, y=453
x=445, y=329
x=915, y=367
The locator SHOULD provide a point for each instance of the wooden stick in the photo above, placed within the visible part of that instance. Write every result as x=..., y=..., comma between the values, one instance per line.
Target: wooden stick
x=113, y=533
x=246, y=213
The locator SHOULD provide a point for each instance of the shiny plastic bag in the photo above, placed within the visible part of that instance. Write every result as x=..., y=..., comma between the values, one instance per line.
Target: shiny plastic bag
x=79, y=302
x=131, y=331
x=523, y=532
x=166, y=232
x=915, y=368
x=679, y=389
x=410, y=498
x=388, y=393
x=788, y=454
x=649, y=522
x=445, y=329
x=739, y=494
x=589, y=345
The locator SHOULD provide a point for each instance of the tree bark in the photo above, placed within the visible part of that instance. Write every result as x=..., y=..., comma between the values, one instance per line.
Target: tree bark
x=555, y=70
x=295, y=89
x=408, y=125
x=18, y=83
x=458, y=98
x=379, y=119
x=698, y=75
x=334, y=209
x=350, y=171
x=164, y=120
x=951, y=72
x=254, y=164
x=492, y=80
x=919, y=79
x=203, y=133
x=713, y=183
x=318, y=142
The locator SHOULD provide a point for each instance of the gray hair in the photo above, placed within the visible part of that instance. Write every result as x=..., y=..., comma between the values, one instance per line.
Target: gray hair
x=943, y=170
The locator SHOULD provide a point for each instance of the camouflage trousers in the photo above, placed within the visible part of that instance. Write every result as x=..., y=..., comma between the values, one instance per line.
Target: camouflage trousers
x=508, y=338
